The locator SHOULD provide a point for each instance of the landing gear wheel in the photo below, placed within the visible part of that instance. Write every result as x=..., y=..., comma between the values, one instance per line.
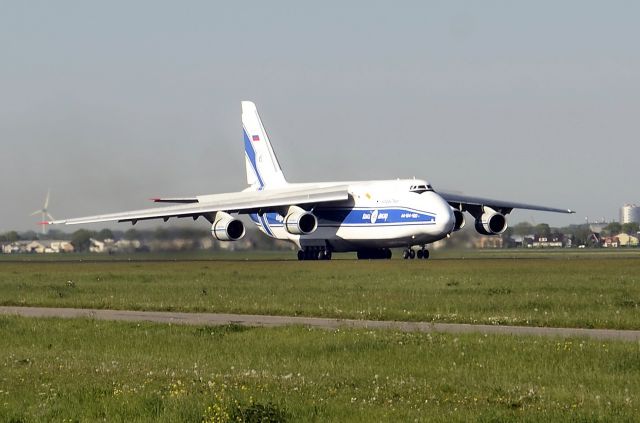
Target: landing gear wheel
x=412, y=254
x=425, y=254
x=406, y=254
x=314, y=253
x=419, y=254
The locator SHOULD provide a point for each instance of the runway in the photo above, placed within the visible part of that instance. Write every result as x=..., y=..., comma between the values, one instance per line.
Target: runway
x=217, y=319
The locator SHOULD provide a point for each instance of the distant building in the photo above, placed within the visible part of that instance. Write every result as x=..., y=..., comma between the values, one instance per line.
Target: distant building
x=126, y=245
x=550, y=241
x=567, y=240
x=38, y=247
x=627, y=240
x=488, y=242
x=610, y=242
x=630, y=213
x=97, y=246
x=60, y=247
x=522, y=240
x=14, y=247
x=517, y=240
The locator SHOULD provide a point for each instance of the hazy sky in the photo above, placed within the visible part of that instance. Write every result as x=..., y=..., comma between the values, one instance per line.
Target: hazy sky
x=110, y=103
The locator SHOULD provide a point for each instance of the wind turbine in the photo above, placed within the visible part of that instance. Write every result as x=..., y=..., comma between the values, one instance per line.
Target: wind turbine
x=44, y=212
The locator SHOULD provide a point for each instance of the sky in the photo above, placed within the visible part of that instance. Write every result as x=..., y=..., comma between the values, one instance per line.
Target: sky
x=108, y=104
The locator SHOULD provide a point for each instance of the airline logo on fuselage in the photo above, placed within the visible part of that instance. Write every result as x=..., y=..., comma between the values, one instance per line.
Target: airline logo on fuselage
x=375, y=216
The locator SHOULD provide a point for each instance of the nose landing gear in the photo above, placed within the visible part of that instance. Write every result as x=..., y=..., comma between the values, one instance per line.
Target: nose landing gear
x=410, y=253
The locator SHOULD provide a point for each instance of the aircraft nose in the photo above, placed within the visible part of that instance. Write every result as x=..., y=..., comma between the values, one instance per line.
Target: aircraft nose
x=445, y=218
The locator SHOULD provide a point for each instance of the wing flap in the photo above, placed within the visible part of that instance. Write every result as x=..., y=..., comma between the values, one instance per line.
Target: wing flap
x=178, y=200
x=241, y=202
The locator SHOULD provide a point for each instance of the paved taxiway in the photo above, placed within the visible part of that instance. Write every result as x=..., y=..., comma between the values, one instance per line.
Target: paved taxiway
x=216, y=319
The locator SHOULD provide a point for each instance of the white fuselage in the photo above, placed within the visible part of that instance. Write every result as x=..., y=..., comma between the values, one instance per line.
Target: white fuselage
x=378, y=214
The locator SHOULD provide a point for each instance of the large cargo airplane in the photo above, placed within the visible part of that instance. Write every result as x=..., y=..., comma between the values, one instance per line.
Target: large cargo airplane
x=369, y=217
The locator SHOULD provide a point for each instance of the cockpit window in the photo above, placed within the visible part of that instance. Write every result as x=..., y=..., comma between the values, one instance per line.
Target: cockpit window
x=419, y=189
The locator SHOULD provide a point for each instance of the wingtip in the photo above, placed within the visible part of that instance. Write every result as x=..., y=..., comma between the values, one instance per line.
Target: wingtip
x=53, y=222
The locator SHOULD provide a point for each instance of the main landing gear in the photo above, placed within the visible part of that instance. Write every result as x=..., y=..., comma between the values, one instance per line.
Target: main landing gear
x=410, y=253
x=314, y=253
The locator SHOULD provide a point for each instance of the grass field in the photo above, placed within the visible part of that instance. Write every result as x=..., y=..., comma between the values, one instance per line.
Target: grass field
x=594, y=290
x=290, y=255
x=84, y=370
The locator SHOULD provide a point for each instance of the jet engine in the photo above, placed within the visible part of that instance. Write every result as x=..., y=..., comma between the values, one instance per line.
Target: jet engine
x=460, y=222
x=491, y=222
x=227, y=228
x=299, y=221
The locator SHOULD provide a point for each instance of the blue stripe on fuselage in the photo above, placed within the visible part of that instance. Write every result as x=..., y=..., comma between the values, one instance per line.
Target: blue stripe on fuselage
x=389, y=216
x=265, y=225
x=262, y=222
x=375, y=216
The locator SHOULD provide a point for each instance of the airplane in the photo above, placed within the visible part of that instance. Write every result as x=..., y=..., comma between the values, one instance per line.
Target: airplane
x=320, y=218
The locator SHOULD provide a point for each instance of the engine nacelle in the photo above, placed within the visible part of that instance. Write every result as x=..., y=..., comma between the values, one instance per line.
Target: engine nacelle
x=491, y=222
x=227, y=228
x=460, y=222
x=299, y=221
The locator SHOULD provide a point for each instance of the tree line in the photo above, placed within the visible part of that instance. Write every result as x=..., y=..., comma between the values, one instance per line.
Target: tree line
x=80, y=239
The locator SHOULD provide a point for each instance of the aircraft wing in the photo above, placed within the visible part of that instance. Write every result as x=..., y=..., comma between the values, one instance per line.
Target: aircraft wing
x=207, y=205
x=465, y=202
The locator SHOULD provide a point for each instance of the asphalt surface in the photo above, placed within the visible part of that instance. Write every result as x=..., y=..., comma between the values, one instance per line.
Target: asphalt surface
x=217, y=319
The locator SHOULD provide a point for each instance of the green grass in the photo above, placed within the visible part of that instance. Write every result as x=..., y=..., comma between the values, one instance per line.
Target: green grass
x=244, y=255
x=594, y=290
x=196, y=255
x=84, y=370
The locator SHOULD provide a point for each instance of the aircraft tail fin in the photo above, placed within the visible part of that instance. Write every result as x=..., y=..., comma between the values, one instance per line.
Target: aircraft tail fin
x=263, y=169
